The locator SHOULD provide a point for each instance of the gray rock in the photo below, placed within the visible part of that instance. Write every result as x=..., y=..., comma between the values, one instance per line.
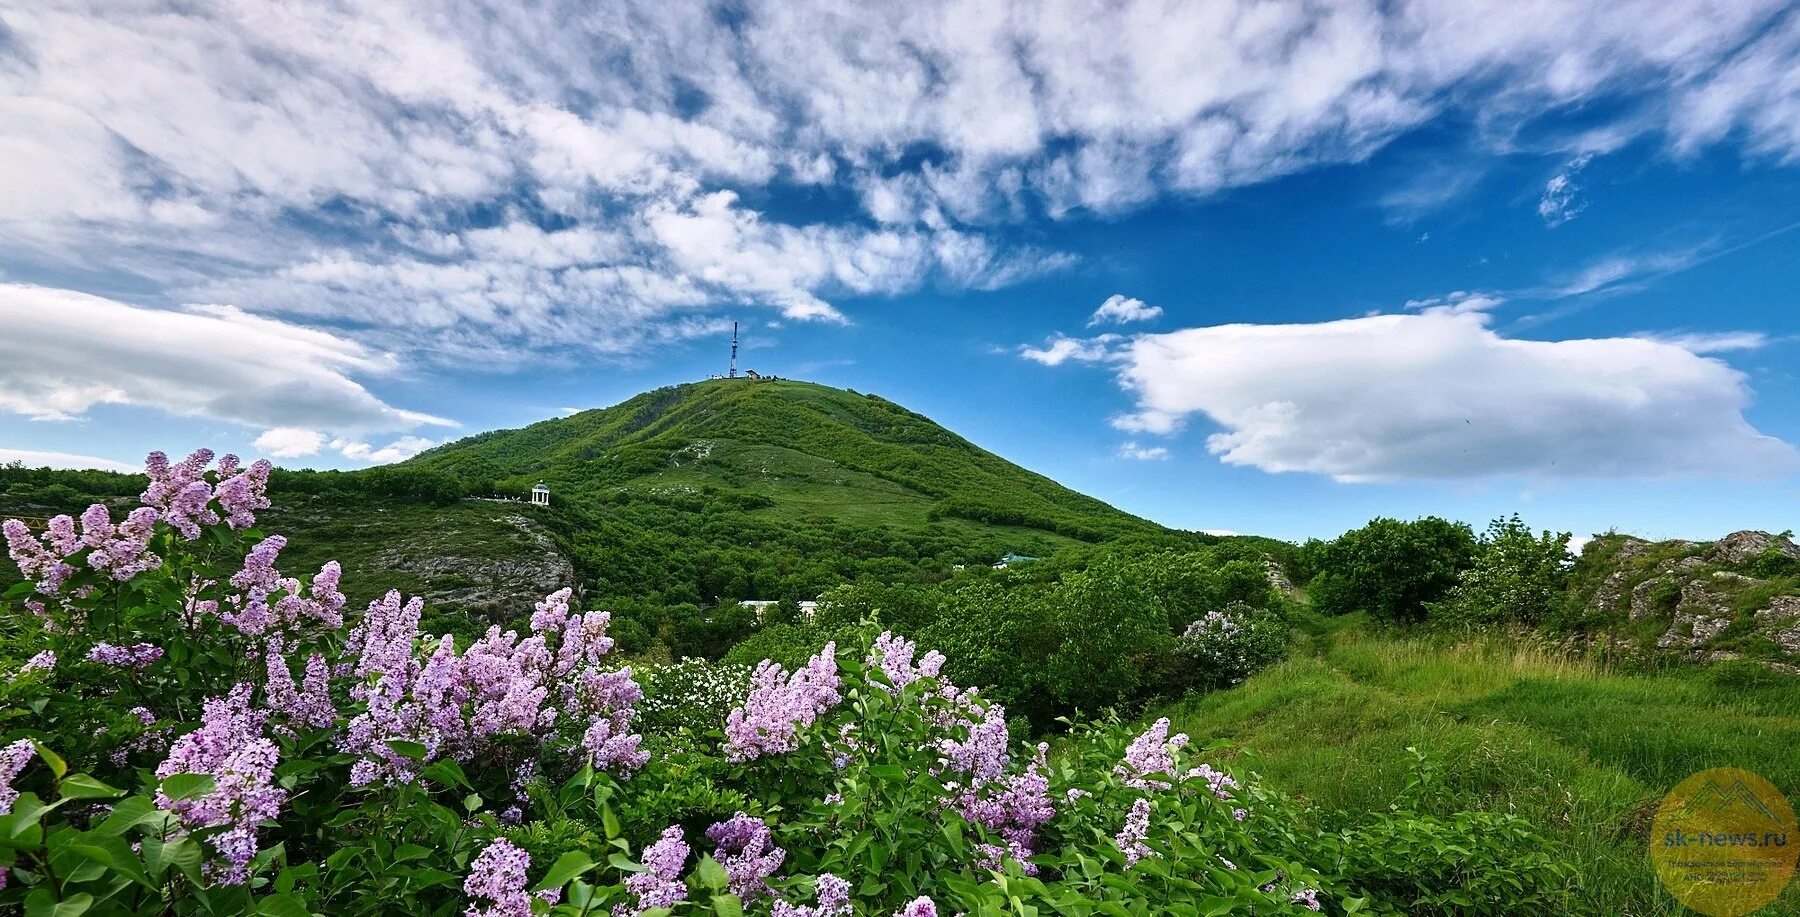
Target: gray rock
x=1781, y=621
x=1743, y=547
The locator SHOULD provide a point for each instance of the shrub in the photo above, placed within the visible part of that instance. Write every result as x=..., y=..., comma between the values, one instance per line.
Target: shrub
x=1517, y=576
x=1392, y=569
x=1224, y=647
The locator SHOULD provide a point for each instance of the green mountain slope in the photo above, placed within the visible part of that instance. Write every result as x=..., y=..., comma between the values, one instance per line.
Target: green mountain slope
x=793, y=450
x=691, y=495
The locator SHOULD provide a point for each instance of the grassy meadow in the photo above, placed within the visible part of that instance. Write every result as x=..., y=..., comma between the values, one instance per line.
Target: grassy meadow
x=1583, y=752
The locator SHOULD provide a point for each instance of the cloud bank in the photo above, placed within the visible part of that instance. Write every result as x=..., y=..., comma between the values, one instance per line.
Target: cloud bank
x=64, y=353
x=472, y=181
x=1438, y=394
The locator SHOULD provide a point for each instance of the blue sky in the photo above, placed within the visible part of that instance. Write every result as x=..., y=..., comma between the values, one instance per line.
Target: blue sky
x=1376, y=259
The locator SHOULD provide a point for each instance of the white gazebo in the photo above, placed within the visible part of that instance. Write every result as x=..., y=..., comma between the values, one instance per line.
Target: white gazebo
x=540, y=494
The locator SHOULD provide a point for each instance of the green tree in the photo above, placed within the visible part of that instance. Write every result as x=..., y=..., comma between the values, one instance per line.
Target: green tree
x=1517, y=576
x=1392, y=569
x=1111, y=631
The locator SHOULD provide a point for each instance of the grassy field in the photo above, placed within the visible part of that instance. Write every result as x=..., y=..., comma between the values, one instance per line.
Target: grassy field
x=1584, y=753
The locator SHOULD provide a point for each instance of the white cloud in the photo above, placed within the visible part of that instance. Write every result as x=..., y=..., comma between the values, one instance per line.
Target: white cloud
x=1120, y=309
x=325, y=161
x=1714, y=342
x=1061, y=349
x=397, y=451
x=65, y=352
x=34, y=459
x=1131, y=450
x=1560, y=201
x=289, y=442
x=1439, y=394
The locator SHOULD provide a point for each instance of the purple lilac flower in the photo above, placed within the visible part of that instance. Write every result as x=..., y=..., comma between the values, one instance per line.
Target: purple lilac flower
x=746, y=848
x=308, y=704
x=13, y=759
x=611, y=747
x=918, y=907
x=231, y=748
x=136, y=656
x=1308, y=898
x=780, y=705
x=241, y=494
x=659, y=885
x=1153, y=752
x=42, y=662
x=496, y=882
x=894, y=656
x=1131, y=837
x=1219, y=783
x=833, y=896
x=179, y=491
x=1010, y=805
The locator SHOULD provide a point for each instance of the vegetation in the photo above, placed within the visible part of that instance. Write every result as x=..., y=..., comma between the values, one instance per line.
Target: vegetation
x=1391, y=569
x=1502, y=724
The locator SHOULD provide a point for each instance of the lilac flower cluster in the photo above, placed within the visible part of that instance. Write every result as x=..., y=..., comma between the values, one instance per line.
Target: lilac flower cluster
x=659, y=885
x=780, y=705
x=833, y=895
x=267, y=601
x=893, y=655
x=120, y=551
x=746, y=848
x=136, y=656
x=496, y=882
x=1152, y=752
x=458, y=705
x=308, y=704
x=986, y=790
x=1131, y=837
x=230, y=747
x=918, y=907
x=42, y=662
x=13, y=759
x=183, y=497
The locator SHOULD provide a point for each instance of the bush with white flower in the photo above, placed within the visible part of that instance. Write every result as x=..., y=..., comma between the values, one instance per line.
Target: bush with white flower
x=1225, y=646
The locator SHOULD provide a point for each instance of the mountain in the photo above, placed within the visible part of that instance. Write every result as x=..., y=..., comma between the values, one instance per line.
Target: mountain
x=688, y=495
x=792, y=450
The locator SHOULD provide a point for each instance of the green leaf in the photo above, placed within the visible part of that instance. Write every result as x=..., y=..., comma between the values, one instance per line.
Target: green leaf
x=414, y=751
x=728, y=906
x=283, y=905
x=128, y=814
x=472, y=801
x=188, y=786
x=609, y=821
x=710, y=874
x=568, y=866
x=58, y=766
x=81, y=786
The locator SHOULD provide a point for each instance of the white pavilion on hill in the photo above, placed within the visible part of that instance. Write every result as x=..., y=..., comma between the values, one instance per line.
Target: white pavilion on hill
x=540, y=494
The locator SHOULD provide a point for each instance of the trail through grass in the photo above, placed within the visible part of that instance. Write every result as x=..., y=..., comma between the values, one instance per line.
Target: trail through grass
x=1584, y=753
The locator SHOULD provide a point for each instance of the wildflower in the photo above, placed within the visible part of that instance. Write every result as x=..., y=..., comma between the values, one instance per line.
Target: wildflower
x=13, y=759
x=1308, y=898
x=136, y=656
x=230, y=747
x=659, y=885
x=780, y=705
x=42, y=662
x=918, y=907
x=833, y=895
x=746, y=848
x=1131, y=837
x=1153, y=752
x=309, y=704
x=893, y=656
x=497, y=881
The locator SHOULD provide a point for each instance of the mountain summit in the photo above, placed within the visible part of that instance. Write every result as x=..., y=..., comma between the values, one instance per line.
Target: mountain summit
x=793, y=451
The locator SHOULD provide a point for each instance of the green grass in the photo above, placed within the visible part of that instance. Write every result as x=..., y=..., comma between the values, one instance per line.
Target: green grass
x=1583, y=753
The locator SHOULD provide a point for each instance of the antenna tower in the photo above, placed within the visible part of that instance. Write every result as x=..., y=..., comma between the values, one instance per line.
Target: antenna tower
x=733, y=374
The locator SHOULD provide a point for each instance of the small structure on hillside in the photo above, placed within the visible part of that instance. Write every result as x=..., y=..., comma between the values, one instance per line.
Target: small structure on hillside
x=762, y=606
x=1011, y=559
x=540, y=494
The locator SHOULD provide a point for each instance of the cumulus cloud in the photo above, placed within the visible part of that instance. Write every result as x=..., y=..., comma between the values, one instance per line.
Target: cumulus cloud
x=31, y=458
x=1060, y=349
x=471, y=179
x=1561, y=200
x=1131, y=450
x=289, y=442
x=1438, y=394
x=1714, y=342
x=65, y=352
x=1120, y=309
x=397, y=451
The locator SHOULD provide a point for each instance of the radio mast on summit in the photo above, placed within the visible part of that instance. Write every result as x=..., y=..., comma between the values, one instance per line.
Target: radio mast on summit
x=733, y=374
